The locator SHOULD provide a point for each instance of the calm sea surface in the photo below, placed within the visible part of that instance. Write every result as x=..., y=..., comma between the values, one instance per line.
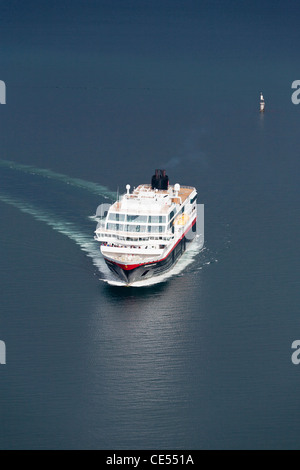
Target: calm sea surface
x=98, y=96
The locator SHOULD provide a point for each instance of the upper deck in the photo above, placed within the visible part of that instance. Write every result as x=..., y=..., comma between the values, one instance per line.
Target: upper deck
x=145, y=200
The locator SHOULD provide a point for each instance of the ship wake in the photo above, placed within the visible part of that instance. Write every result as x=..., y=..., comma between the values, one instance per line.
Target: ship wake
x=66, y=218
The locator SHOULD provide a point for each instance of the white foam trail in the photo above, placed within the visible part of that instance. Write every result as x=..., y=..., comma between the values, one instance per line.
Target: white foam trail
x=86, y=243
x=45, y=173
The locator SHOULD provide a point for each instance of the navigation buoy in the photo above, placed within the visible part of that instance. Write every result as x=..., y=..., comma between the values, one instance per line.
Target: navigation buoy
x=261, y=103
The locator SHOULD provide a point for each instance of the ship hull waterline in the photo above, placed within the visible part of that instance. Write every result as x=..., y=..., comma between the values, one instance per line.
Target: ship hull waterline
x=130, y=274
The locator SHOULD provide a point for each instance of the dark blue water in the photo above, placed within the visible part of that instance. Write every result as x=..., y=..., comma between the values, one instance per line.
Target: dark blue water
x=101, y=94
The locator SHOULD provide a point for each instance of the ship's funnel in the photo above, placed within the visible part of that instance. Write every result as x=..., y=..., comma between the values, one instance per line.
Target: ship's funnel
x=160, y=180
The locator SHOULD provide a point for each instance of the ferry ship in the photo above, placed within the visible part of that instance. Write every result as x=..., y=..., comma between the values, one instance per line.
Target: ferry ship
x=147, y=230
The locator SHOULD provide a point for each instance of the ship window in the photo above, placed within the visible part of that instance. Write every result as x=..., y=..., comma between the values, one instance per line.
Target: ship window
x=142, y=219
x=117, y=217
x=135, y=228
x=157, y=219
x=193, y=200
x=156, y=228
x=115, y=227
x=171, y=215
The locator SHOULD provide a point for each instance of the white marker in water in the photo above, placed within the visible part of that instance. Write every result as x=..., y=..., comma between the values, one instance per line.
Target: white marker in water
x=261, y=103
